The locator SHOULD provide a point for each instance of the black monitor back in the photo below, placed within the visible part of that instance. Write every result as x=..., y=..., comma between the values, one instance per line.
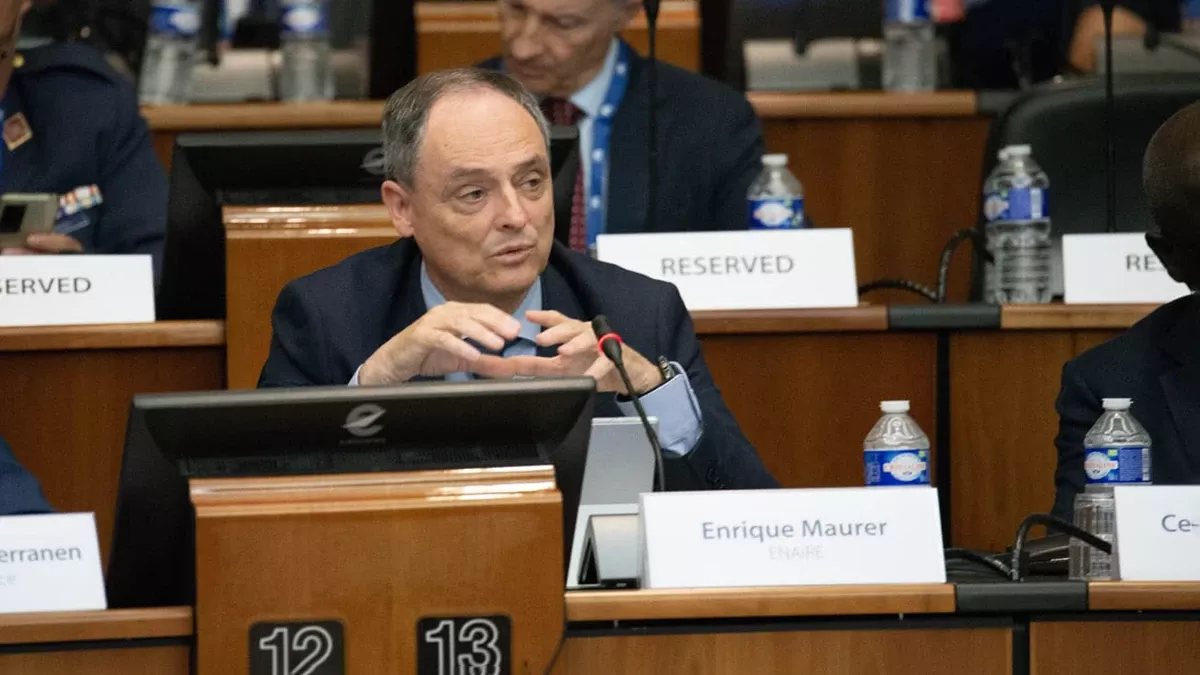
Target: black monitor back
x=322, y=430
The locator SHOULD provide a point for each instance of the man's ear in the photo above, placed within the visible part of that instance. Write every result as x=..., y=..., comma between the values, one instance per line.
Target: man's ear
x=398, y=200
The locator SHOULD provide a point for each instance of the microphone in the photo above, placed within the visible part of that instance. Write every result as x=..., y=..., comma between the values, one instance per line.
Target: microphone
x=1107, y=6
x=609, y=344
x=651, y=9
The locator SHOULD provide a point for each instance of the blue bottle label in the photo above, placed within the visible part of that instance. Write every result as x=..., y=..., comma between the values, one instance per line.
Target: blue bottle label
x=1016, y=204
x=908, y=11
x=305, y=18
x=1117, y=465
x=896, y=467
x=175, y=19
x=776, y=214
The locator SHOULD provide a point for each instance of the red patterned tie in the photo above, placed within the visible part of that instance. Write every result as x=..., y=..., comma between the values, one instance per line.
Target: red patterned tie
x=562, y=113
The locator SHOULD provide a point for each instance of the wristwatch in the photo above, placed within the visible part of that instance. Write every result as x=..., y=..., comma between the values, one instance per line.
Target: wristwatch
x=668, y=371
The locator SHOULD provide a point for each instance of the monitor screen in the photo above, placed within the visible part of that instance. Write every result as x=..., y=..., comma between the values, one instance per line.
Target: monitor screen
x=323, y=430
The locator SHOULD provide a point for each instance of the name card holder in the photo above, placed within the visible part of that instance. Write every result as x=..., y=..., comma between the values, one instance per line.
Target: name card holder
x=1157, y=532
x=1118, y=268
x=830, y=536
x=748, y=269
x=57, y=290
x=50, y=563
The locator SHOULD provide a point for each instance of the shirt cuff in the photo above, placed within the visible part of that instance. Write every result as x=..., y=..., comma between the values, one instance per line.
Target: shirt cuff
x=680, y=422
x=354, y=380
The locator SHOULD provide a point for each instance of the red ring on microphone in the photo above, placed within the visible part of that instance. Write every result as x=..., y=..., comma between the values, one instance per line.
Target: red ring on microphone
x=608, y=336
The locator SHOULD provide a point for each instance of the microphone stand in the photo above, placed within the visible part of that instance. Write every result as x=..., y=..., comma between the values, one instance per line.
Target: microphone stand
x=651, y=9
x=1110, y=119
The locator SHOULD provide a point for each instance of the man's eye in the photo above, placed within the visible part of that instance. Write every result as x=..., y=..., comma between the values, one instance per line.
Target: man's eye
x=471, y=196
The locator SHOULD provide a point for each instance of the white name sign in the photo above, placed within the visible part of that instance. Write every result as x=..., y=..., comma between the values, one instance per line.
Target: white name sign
x=792, y=537
x=56, y=290
x=1158, y=533
x=748, y=269
x=1115, y=269
x=50, y=564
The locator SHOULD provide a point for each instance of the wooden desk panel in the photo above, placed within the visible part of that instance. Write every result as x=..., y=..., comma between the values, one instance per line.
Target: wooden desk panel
x=1143, y=596
x=172, y=660
x=69, y=405
x=830, y=652
x=1114, y=648
x=1003, y=385
x=118, y=624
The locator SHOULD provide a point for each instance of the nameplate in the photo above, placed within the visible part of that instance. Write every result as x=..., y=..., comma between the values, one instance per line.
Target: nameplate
x=792, y=537
x=787, y=269
x=1158, y=533
x=57, y=290
x=1115, y=269
x=50, y=563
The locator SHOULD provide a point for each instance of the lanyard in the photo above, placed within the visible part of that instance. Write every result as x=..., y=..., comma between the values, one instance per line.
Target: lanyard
x=601, y=136
x=3, y=149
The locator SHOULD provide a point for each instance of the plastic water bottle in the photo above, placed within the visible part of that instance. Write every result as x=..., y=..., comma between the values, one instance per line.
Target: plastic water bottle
x=171, y=48
x=910, y=46
x=896, y=452
x=1015, y=205
x=775, y=198
x=1116, y=452
x=305, y=72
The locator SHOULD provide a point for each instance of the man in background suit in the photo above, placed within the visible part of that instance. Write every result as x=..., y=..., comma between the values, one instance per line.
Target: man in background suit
x=1157, y=361
x=476, y=286
x=19, y=491
x=709, y=143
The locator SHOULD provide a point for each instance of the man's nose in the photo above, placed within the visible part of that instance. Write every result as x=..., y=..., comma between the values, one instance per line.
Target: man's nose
x=526, y=43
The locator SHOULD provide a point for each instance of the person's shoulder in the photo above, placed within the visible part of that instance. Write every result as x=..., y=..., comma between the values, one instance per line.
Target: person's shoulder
x=348, y=278
x=74, y=63
x=680, y=84
x=610, y=278
x=1137, y=346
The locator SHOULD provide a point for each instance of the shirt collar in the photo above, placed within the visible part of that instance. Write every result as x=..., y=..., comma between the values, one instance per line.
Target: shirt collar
x=591, y=97
x=532, y=302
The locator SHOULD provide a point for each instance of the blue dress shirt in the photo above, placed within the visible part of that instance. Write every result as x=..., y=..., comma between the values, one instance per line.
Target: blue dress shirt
x=674, y=403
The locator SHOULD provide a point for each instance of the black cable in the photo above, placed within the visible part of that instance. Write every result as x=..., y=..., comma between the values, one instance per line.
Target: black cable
x=659, y=474
x=976, y=557
x=967, y=233
x=1016, y=569
x=900, y=285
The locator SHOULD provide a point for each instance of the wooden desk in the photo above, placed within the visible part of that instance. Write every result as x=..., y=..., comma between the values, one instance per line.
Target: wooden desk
x=68, y=391
x=127, y=642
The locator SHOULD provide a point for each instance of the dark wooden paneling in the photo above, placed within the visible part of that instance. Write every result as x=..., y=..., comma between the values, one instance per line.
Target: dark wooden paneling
x=1114, y=648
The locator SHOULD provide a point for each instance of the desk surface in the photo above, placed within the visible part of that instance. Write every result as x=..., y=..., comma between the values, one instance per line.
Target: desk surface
x=121, y=624
x=113, y=336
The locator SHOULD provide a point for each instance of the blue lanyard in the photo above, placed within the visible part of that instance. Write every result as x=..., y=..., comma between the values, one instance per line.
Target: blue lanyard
x=601, y=135
x=3, y=149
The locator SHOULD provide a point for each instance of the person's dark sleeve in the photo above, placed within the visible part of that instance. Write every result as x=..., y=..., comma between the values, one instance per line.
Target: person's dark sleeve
x=1078, y=408
x=735, y=166
x=724, y=457
x=132, y=184
x=19, y=490
x=296, y=358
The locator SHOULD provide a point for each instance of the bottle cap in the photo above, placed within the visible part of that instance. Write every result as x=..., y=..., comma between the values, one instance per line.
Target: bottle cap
x=894, y=407
x=1116, y=403
x=779, y=160
x=1019, y=150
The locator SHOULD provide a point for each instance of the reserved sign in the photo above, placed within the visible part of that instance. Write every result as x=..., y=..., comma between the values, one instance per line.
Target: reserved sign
x=1115, y=269
x=1158, y=532
x=56, y=290
x=792, y=537
x=749, y=269
x=50, y=563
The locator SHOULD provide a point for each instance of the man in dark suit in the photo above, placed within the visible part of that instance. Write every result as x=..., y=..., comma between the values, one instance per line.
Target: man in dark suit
x=19, y=491
x=709, y=140
x=476, y=287
x=1157, y=361
x=71, y=127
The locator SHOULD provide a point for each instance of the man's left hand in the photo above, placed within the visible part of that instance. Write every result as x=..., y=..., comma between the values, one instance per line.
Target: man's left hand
x=578, y=355
x=46, y=243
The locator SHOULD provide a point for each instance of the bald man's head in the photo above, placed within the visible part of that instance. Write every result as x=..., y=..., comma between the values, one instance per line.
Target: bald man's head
x=1171, y=179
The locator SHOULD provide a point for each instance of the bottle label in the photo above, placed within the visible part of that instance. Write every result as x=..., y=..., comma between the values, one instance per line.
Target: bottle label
x=175, y=19
x=1016, y=204
x=776, y=214
x=896, y=467
x=1117, y=465
x=305, y=18
x=908, y=11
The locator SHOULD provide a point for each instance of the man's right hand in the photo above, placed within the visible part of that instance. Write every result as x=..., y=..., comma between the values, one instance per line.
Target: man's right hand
x=436, y=345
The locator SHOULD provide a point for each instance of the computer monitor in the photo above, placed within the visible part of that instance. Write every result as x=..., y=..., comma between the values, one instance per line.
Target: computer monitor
x=322, y=430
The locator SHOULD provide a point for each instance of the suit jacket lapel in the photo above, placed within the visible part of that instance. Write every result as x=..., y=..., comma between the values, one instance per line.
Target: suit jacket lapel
x=558, y=295
x=628, y=153
x=1182, y=385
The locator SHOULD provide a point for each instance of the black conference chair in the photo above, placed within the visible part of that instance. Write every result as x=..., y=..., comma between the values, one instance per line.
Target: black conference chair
x=1064, y=123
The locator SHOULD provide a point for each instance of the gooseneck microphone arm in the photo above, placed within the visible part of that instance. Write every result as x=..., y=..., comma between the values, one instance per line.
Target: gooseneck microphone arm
x=1016, y=564
x=1110, y=121
x=651, y=9
x=610, y=344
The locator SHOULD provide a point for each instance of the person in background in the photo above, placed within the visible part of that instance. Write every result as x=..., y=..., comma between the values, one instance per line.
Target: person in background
x=709, y=140
x=19, y=490
x=71, y=126
x=1157, y=361
x=1131, y=18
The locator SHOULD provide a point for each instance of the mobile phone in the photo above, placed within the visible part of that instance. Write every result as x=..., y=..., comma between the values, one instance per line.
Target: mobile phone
x=24, y=214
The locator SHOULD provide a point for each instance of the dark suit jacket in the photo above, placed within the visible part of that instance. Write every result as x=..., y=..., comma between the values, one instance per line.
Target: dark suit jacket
x=19, y=490
x=328, y=323
x=710, y=147
x=1157, y=364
